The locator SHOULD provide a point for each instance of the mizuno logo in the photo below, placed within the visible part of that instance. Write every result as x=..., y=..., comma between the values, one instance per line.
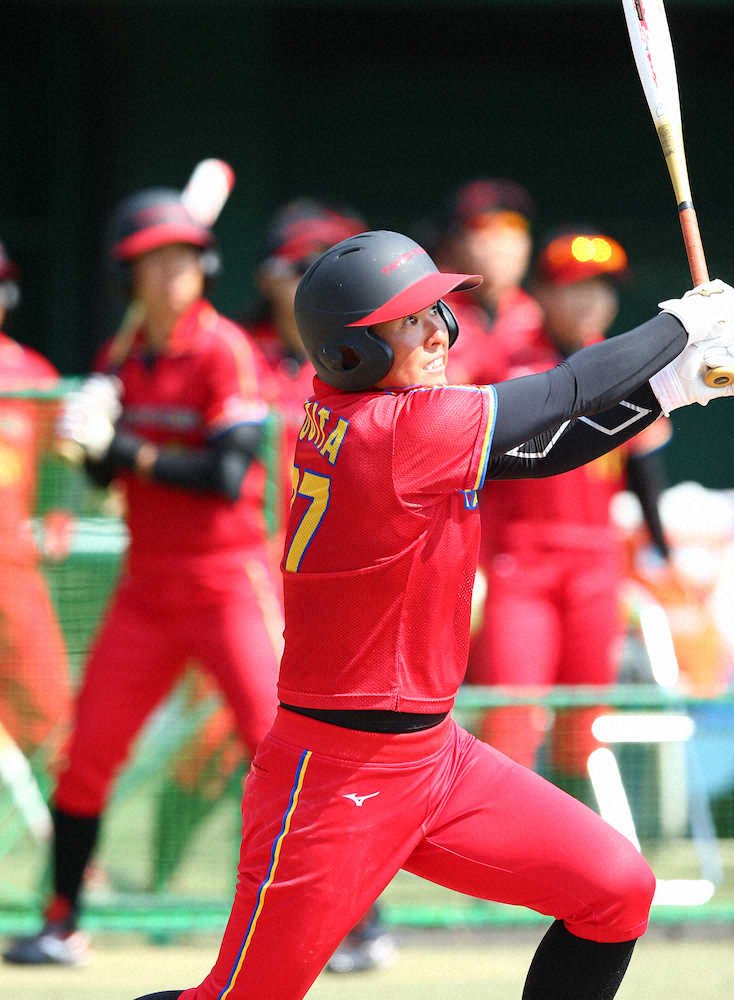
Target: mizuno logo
x=359, y=800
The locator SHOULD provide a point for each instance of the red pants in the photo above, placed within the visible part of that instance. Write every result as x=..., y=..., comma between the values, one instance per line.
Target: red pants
x=551, y=617
x=138, y=656
x=331, y=815
x=35, y=689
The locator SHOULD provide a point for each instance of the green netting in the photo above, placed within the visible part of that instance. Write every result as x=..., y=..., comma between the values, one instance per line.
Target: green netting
x=168, y=853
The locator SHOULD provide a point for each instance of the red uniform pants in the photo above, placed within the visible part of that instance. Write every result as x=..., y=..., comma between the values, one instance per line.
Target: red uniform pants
x=330, y=815
x=551, y=617
x=141, y=651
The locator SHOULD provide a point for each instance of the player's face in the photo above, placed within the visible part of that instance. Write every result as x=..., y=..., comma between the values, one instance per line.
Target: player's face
x=420, y=345
x=578, y=314
x=168, y=279
x=499, y=250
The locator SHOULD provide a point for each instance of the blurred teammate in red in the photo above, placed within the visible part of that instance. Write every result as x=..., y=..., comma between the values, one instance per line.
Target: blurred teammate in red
x=552, y=555
x=296, y=235
x=299, y=232
x=177, y=420
x=485, y=228
x=365, y=771
x=35, y=690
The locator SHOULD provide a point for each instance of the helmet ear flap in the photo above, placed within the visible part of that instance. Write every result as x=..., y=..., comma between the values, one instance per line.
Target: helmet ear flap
x=361, y=349
x=447, y=315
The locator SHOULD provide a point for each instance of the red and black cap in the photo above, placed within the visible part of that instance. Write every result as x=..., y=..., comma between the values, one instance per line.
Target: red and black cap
x=570, y=255
x=370, y=278
x=482, y=202
x=154, y=218
x=303, y=228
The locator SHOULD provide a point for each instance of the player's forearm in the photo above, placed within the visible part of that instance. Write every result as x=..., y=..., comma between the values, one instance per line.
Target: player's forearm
x=593, y=380
x=578, y=441
x=219, y=468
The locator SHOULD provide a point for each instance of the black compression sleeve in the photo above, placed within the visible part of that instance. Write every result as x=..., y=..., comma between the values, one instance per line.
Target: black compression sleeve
x=578, y=441
x=219, y=468
x=645, y=478
x=591, y=381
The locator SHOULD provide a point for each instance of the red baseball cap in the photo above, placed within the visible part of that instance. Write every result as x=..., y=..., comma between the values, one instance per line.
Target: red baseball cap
x=479, y=202
x=573, y=255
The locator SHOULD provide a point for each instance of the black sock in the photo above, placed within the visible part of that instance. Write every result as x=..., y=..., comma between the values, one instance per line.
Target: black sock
x=567, y=967
x=75, y=838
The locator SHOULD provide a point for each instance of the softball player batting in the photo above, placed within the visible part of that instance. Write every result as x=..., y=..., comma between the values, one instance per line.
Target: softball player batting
x=551, y=552
x=364, y=771
x=179, y=425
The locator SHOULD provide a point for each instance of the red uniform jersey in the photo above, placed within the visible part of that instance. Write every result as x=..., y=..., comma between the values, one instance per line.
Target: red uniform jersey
x=204, y=382
x=485, y=345
x=377, y=607
x=23, y=428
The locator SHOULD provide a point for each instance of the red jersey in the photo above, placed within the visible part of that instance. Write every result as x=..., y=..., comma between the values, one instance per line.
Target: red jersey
x=482, y=351
x=381, y=546
x=568, y=510
x=204, y=382
x=23, y=428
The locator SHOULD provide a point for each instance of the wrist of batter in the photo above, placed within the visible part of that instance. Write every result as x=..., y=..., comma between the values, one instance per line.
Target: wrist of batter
x=669, y=389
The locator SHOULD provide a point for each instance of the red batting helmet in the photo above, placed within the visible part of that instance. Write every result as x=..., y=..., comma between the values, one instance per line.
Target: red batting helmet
x=570, y=255
x=302, y=229
x=154, y=218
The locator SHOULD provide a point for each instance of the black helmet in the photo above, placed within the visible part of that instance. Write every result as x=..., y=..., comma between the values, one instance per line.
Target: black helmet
x=154, y=218
x=370, y=278
x=9, y=275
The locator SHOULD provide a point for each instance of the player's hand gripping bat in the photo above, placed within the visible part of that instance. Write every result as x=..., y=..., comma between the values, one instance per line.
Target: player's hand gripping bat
x=204, y=196
x=653, y=51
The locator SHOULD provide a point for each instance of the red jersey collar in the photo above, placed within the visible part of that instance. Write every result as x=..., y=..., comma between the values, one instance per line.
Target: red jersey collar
x=322, y=388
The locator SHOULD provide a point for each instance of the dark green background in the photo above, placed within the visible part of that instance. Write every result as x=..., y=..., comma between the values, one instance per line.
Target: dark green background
x=384, y=104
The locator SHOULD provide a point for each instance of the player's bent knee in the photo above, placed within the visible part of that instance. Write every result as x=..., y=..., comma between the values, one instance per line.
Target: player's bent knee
x=620, y=907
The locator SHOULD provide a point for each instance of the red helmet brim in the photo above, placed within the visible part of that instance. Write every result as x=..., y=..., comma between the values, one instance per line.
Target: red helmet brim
x=421, y=294
x=158, y=236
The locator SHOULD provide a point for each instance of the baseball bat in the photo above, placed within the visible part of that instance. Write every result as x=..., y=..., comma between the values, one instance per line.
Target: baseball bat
x=649, y=33
x=204, y=196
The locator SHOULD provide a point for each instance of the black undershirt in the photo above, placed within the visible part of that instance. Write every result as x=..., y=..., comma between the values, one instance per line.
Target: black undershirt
x=372, y=720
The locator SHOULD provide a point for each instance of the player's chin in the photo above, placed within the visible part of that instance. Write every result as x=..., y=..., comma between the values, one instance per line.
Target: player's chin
x=435, y=377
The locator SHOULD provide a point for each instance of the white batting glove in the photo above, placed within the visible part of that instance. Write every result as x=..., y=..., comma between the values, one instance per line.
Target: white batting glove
x=88, y=415
x=707, y=313
x=102, y=392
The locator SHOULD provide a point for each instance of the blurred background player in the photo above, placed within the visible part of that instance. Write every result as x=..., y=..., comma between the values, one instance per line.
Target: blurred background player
x=296, y=235
x=484, y=228
x=35, y=689
x=179, y=425
x=298, y=232
x=552, y=553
